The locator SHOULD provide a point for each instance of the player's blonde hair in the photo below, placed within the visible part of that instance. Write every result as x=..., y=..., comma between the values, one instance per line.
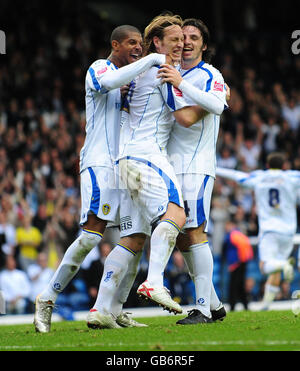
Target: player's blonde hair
x=156, y=28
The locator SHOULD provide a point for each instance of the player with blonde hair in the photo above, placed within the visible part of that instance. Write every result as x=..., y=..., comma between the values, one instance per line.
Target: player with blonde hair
x=144, y=167
x=100, y=196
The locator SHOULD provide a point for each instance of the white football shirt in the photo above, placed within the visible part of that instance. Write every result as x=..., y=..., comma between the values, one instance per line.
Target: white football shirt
x=103, y=105
x=275, y=194
x=193, y=149
x=102, y=118
x=149, y=119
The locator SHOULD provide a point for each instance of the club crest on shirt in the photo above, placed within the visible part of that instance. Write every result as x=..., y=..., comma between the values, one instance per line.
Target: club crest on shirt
x=106, y=209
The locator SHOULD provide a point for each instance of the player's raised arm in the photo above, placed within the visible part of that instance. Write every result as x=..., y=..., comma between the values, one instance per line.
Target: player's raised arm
x=239, y=177
x=114, y=79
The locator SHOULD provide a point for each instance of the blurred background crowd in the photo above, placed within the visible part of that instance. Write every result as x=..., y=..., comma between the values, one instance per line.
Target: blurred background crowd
x=42, y=129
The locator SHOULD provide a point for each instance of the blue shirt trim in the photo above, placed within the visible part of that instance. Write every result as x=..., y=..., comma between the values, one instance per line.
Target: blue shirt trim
x=95, y=81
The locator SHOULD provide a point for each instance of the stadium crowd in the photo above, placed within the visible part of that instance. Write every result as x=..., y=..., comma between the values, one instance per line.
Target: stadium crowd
x=42, y=129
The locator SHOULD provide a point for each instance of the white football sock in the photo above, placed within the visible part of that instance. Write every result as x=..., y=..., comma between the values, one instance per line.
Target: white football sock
x=214, y=299
x=162, y=243
x=115, y=267
x=270, y=294
x=125, y=286
x=70, y=263
x=189, y=261
x=189, y=258
x=202, y=267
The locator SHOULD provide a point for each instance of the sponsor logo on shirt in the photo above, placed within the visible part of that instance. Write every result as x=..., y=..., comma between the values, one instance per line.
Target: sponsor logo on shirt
x=177, y=92
x=125, y=223
x=218, y=86
x=99, y=72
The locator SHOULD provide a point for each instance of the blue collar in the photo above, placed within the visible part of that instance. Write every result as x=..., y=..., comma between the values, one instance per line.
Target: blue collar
x=199, y=65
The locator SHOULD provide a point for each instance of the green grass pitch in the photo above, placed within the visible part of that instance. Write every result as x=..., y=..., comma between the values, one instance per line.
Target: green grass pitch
x=245, y=330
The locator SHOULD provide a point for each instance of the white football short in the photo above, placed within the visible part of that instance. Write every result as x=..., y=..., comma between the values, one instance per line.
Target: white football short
x=196, y=191
x=99, y=194
x=131, y=219
x=151, y=186
x=273, y=245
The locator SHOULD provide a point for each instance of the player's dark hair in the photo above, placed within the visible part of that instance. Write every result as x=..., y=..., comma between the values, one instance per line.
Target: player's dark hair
x=209, y=52
x=275, y=160
x=121, y=32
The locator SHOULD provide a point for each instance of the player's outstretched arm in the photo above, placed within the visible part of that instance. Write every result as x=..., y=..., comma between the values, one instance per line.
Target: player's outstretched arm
x=114, y=79
x=235, y=175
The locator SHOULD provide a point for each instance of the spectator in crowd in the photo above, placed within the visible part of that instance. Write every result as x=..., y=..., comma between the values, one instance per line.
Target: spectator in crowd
x=15, y=287
x=178, y=280
x=53, y=242
x=93, y=274
x=7, y=239
x=238, y=252
x=39, y=275
x=29, y=239
x=40, y=219
x=227, y=158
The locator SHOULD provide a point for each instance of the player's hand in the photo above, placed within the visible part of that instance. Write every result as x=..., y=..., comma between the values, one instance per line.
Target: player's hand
x=169, y=74
x=227, y=92
x=124, y=90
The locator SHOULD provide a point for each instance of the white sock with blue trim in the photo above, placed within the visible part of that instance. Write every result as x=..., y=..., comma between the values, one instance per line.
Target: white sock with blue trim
x=189, y=259
x=115, y=267
x=125, y=286
x=70, y=263
x=269, y=295
x=202, y=269
x=162, y=243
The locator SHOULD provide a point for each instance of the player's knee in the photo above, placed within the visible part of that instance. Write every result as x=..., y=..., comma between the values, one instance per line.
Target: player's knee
x=87, y=241
x=176, y=213
x=95, y=224
x=181, y=217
